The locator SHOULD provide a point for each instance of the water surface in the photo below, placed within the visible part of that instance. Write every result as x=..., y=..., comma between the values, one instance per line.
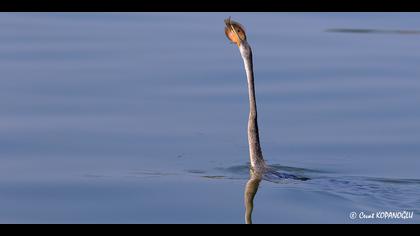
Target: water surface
x=141, y=117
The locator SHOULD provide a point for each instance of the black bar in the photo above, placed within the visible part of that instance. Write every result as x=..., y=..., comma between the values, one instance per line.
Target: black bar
x=210, y=6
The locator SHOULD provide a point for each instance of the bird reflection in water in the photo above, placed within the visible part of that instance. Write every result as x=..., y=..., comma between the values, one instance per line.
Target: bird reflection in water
x=251, y=190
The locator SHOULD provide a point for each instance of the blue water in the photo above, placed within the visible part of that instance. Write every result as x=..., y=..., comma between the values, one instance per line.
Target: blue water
x=141, y=117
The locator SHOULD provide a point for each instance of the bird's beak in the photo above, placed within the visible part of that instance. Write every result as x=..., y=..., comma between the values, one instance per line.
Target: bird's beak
x=237, y=36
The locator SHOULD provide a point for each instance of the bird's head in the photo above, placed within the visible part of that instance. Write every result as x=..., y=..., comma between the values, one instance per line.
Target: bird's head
x=235, y=32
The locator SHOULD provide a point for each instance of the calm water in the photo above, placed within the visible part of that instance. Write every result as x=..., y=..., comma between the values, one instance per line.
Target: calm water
x=141, y=117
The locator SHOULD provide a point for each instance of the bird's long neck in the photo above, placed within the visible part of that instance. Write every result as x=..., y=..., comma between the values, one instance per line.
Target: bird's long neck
x=256, y=157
